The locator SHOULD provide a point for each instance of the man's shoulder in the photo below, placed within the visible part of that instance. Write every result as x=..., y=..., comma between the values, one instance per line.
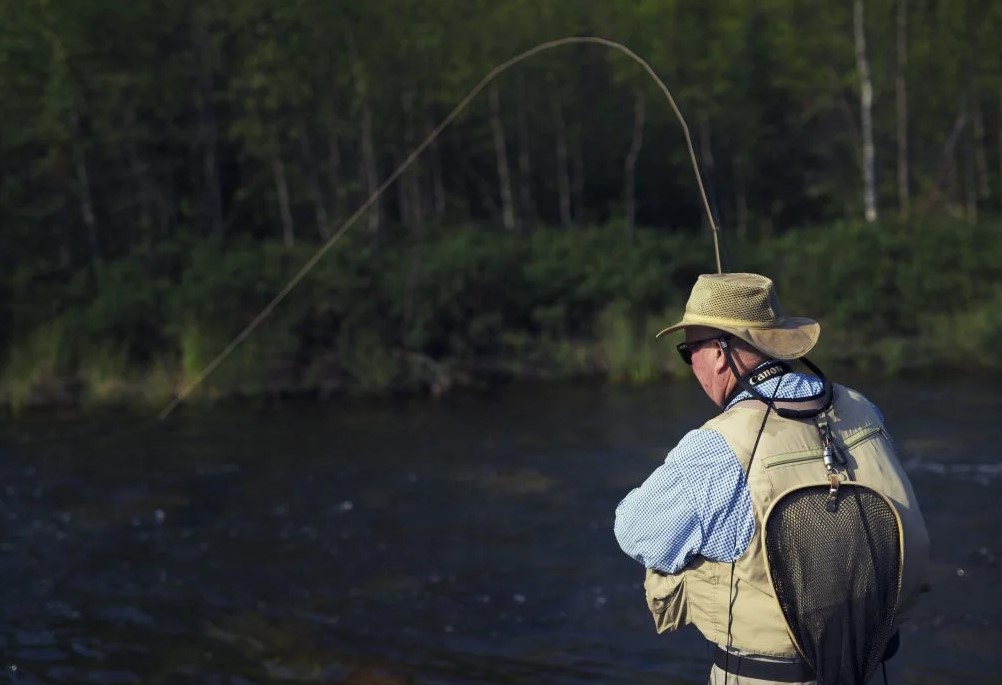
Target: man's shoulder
x=703, y=459
x=737, y=419
x=699, y=447
x=846, y=397
x=850, y=393
x=700, y=440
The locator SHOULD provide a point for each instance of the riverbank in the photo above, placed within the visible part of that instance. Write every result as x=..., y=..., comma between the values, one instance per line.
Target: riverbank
x=474, y=306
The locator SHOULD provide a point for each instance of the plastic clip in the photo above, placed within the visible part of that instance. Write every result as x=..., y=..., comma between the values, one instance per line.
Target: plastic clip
x=831, y=504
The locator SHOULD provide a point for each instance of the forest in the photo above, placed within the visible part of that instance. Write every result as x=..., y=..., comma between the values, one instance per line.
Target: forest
x=166, y=167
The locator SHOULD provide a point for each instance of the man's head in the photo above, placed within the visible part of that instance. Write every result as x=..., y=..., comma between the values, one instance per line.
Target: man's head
x=742, y=309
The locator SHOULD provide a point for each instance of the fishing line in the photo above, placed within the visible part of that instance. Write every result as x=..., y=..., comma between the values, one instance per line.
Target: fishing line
x=323, y=249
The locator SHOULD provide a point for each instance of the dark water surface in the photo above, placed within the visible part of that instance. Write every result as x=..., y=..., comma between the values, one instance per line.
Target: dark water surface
x=461, y=541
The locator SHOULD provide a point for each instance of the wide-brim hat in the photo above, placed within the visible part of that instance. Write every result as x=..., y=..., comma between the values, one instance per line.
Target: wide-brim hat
x=746, y=306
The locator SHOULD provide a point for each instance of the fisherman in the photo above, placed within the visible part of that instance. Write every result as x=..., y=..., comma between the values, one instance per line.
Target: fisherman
x=697, y=523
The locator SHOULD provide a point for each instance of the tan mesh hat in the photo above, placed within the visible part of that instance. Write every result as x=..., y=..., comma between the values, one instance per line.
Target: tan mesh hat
x=746, y=306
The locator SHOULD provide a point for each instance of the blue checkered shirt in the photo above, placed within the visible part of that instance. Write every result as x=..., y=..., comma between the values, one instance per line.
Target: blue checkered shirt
x=697, y=502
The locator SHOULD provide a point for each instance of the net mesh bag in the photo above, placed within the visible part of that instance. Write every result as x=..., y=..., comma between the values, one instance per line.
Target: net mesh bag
x=836, y=575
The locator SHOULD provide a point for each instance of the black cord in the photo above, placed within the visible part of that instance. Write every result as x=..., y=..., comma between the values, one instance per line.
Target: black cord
x=825, y=395
x=730, y=598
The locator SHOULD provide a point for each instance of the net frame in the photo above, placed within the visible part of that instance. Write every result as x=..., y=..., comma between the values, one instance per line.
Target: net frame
x=879, y=630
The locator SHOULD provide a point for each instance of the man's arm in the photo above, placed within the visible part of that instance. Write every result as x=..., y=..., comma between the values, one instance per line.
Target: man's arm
x=696, y=503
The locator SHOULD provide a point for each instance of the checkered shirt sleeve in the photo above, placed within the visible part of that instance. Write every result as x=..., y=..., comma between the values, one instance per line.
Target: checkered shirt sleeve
x=697, y=502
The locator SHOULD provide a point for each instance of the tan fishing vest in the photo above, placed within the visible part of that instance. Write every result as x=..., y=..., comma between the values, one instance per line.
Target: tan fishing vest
x=788, y=456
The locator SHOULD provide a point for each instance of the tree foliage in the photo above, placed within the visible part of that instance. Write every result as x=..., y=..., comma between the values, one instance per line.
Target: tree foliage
x=128, y=122
x=131, y=130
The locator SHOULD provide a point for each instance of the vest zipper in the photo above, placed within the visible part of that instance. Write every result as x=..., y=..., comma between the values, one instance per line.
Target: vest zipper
x=863, y=436
x=808, y=455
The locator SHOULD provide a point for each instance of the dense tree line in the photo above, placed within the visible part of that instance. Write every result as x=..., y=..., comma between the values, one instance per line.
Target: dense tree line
x=463, y=305
x=136, y=136
x=127, y=122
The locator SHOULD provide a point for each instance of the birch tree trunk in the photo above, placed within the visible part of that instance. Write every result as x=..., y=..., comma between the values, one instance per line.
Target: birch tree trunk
x=501, y=155
x=210, y=167
x=83, y=185
x=866, y=114
x=950, y=148
x=335, y=166
x=403, y=195
x=410, y=184
x=369, y=163
x=368, y=145
x=417, y=207
x=970, y=152
x=485, y=190
x=741, y=195
x=140, y=171
x=282, y=191
x=970, y=180
x=563, y=174
x=577, y=175
x=901, y=97
x=208, y=128
x=527, y=204
x=630, y=165
x=313, y=182
x=980, y=155
x=437, y=182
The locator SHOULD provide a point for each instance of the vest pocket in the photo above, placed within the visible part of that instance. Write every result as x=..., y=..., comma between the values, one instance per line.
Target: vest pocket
x=848, y=442
x=667, y=599
x=862, y=436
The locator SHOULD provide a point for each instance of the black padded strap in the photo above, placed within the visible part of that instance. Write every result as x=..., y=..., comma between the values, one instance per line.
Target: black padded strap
x=749, y=667
x=809, y=404
x=780, y=671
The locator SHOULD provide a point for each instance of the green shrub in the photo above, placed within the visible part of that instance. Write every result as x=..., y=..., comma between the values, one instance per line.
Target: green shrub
x=402, y=311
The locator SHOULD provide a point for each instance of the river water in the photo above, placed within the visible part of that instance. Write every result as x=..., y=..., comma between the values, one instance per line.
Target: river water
x=466, y=540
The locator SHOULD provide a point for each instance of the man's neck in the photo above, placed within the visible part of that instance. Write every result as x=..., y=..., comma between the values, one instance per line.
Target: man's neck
x=744, y=366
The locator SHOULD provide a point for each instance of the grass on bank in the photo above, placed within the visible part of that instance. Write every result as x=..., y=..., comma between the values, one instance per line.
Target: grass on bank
x=34, y=371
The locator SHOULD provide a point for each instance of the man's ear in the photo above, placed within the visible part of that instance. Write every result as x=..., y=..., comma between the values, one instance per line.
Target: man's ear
x=720, y=361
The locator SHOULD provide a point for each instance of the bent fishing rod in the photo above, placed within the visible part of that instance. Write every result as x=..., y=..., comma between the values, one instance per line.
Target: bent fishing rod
x=308, y=266
x=414, y=154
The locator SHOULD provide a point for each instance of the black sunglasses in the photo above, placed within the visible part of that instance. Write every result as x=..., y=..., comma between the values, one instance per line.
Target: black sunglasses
x=685, y=349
